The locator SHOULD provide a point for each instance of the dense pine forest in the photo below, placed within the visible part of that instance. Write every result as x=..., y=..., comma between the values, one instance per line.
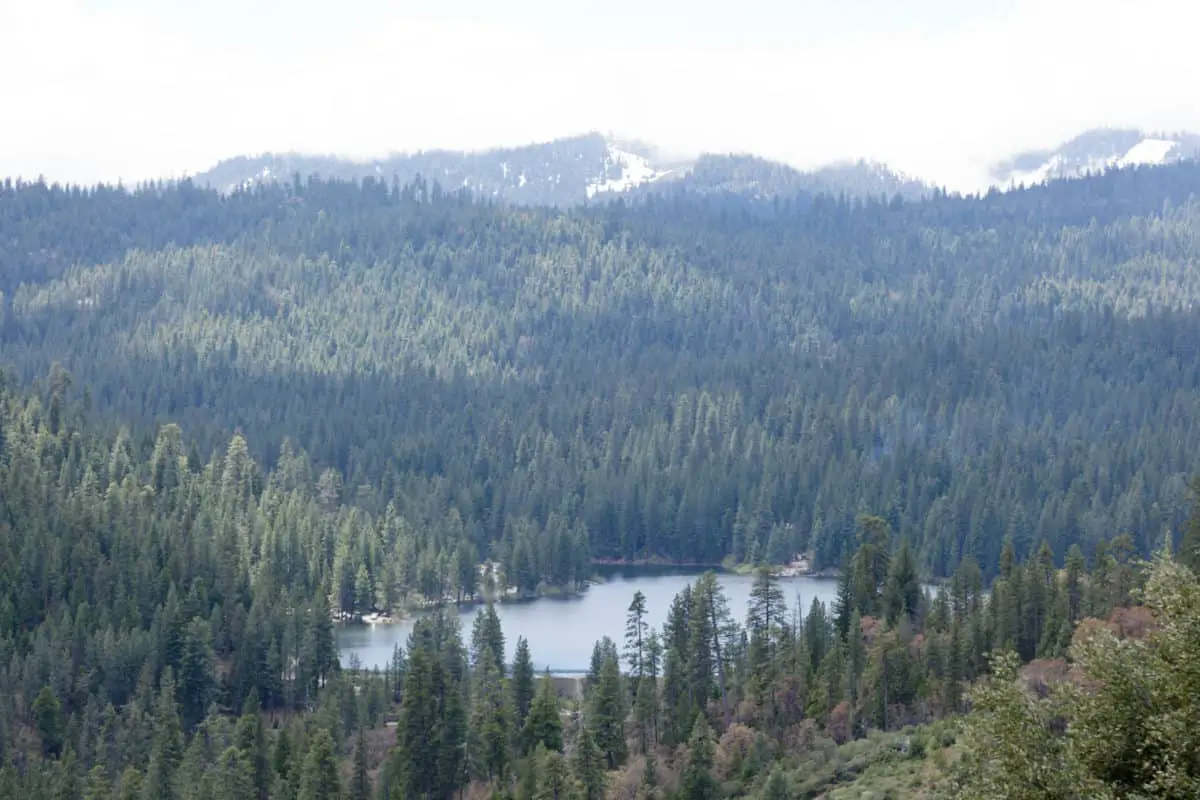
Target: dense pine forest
x=227, y=420
x=688, y=379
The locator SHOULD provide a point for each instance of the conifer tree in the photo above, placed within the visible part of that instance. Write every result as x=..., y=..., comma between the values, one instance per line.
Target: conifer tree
x=252, y=742
x=490, y=723
x=553, y=776
x=48, y=717
x=636, y=632
x=97, y=786
x=776, y=787
x=587, y=766
x=606, y=714
x=360, y=779
x=902, y=593
x=521, y=684
x=543, y=727
x=697, y=781
x=487, y=635
x=319, y=776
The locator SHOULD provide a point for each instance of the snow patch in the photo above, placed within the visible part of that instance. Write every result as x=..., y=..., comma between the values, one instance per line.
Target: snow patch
x=1147, y=151
x=1035, y=177
x=635, y=170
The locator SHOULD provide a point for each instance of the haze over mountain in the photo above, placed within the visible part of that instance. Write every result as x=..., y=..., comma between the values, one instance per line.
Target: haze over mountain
x=597, y=167
x=1095, y=151
x=574, y=170
x=136, y=90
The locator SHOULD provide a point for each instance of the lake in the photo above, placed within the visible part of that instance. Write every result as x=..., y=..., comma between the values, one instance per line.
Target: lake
x=562, y=630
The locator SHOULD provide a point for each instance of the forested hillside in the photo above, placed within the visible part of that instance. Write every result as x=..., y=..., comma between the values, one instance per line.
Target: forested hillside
x=229, y=419
x=165, y=632
x=691, y=379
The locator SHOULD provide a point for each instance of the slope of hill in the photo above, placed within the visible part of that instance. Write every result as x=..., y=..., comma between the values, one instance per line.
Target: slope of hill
x=683, y=379
x=568, y=172
x=1095, y=151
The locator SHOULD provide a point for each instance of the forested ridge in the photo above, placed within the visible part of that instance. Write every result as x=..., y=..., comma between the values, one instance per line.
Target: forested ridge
x=228, y=419
x=165, y=631
x=692, y=379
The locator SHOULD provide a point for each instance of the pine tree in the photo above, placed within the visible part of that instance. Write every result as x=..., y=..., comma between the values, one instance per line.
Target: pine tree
x=1189, y=546
x=97, y=786
x=232, y=779
x=489, y=731
x=587, y=766
x=844, y=604
x=776, y=787
x=636, y=631
x=553, y=781
x=543, y=727
x=522, y=682
x=487, y=635
x=902, y=593
x=360, y=779
x=697, y=781
x=252, y=742
x=48, y=716
x=131, y=784
x=415, y=730
x=764, y=621
x=281, y=761
x=167, y=749
x=606, y=714
x=319, y=776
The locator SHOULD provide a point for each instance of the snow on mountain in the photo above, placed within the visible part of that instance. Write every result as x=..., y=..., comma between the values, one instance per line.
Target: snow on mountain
x=571, y=171
x=1094, y=151
x=1148, y=151
x=633, y=170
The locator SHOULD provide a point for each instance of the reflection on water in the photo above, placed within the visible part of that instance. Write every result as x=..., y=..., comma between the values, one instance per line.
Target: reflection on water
x=562, y=630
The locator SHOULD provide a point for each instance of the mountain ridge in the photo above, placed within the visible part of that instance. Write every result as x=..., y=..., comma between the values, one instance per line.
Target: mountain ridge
x=574, y=170
x=1094, y=150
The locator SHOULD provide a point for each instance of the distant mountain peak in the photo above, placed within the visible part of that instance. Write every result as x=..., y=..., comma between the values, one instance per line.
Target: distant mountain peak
x=573, y=170
x=1093, y=151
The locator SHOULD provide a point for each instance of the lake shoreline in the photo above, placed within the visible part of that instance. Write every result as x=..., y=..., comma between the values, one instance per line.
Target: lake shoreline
x=404, y=613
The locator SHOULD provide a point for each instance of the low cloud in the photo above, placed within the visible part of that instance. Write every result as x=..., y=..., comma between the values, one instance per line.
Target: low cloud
x=100, y=95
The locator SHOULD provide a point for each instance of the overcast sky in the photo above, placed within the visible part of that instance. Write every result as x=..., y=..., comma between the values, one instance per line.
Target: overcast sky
x=106, y=89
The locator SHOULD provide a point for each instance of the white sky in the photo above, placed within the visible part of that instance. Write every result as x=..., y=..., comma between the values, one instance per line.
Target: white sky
x=106, y=89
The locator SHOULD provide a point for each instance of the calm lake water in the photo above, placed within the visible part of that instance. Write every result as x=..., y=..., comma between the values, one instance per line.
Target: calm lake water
x=562, y=631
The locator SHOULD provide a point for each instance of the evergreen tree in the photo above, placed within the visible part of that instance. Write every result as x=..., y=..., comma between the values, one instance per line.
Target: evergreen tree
x=48, y=718
x=490, y=722
x=902, y=594
x=360, y=779
x=522, y=682
x=776, y=787
x=553, y=776
x=636, y=631
x=765, y=619
x=252, y=742
x=587, y=766
x=543, y=727
x=1189, y=546
x=97, y=786
x=697, y=781
x=319, y=776
x=487, y=636
x=606, y=714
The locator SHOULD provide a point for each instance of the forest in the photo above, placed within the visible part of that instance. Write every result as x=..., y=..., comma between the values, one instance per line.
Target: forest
x=227, y=420
x=698, y=380
x=166, y=629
